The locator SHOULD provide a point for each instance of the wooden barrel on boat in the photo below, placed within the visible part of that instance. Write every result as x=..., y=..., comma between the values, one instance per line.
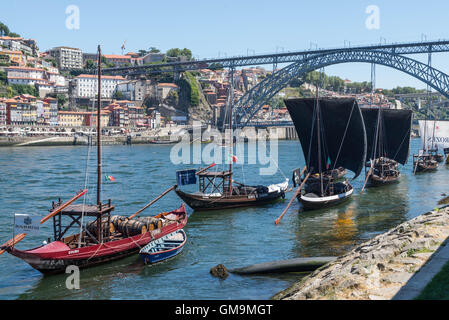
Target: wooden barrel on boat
x=131, y=227
x=92, y=226
x=151, y=222
x=115, y=220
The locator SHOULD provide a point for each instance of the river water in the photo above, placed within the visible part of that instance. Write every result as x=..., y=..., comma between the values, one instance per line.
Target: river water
x=32, y=177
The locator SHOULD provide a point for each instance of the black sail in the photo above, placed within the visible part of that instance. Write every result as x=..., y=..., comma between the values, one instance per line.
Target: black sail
x=342, y=131
x=394, y=140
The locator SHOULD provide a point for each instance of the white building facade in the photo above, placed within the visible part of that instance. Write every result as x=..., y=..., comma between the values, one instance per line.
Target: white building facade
x=86, y=85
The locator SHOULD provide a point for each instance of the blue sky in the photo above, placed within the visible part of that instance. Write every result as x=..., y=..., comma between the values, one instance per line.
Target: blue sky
x=211, y=28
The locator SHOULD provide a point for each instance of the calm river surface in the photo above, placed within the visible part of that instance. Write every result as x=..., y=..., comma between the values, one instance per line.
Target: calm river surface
x=32, y=177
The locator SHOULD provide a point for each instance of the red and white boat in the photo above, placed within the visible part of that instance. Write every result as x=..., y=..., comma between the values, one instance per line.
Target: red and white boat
x=105, y=238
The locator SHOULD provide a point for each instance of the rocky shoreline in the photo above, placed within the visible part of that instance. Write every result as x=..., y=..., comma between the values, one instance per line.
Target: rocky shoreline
x=379, y=268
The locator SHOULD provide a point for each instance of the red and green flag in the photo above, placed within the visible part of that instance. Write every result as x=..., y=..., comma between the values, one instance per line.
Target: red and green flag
x=109, y=178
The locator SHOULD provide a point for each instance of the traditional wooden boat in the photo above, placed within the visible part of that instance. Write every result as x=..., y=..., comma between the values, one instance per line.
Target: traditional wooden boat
x=214, y=193
x=163, y=142
x=332, y=135
x=164, y=248
x=388, y=143
x=312, y=201
x=428, y=157
x=217, y=190
x=103, y=239
x=424, y=163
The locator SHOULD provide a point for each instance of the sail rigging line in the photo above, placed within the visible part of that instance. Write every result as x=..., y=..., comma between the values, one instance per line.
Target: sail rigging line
x=402, y=142
x=344, y=135
x=86, y=177
x=231, y=140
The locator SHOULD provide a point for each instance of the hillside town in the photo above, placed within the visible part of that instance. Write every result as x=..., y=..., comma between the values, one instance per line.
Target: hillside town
x=52, y=88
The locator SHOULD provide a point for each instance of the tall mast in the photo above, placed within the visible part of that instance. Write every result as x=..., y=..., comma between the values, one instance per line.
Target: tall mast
x=231, y=148
x=99, y=130
x=376, y=138
x=318, y=129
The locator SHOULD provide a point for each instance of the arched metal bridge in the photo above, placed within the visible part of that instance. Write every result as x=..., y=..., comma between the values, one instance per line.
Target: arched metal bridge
x=302, y=62
x=255, y=98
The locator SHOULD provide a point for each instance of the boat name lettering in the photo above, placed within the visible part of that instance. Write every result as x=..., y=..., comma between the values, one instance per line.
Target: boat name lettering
x=73, y=251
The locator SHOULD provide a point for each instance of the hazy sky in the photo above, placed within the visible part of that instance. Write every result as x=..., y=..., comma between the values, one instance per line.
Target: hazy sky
x=212, y=28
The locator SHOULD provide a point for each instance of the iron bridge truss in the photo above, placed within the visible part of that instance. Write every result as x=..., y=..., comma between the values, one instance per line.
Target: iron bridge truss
x=276, y=58
x=255, y=98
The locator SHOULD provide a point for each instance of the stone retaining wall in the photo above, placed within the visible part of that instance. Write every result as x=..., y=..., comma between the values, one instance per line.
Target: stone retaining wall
x=378, y=268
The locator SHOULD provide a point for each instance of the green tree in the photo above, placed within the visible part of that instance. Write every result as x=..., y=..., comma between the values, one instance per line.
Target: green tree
x=142, y=52
x=176, y=52
x=154, y=50
x=118, y=95
x=62, y=99
x=3, y=77
x=4, y=30
x=90, y=64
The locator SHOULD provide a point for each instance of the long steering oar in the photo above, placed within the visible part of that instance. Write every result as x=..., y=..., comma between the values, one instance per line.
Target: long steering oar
x=58, y=209
x=278, y=220
x=367, y=177
x=416, y=166
x=149, y=204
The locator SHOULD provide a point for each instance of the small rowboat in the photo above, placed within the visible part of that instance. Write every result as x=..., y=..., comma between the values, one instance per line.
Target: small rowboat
x=164, y=248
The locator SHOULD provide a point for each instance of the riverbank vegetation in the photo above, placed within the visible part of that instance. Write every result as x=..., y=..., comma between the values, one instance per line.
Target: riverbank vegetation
x=438, y=288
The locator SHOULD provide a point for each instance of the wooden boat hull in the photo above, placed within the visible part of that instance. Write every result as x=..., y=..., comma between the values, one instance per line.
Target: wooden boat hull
x=163, y=142
x=377, y=181
x=158, y=256
x=426, y=167
x=199, y=202
x=314, y=203
x=56, y=256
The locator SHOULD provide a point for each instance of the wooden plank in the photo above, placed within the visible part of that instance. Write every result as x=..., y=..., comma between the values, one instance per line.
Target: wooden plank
x=12, y=241
x=149, y=204
x=278, y=220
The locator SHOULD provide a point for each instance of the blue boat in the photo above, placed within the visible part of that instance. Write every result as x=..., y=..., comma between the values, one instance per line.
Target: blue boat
x=164, y=248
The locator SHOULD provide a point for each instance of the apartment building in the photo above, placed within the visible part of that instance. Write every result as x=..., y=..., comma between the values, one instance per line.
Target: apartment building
x=134, y=89
x=86, y=85
x=2, y=112
x=67, y=57
x=15, y=57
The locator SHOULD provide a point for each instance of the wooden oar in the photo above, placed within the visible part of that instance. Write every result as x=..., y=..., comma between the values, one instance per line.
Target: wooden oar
x=149, y=204
x=202, y=170
x=63, y=206
x=278, y=220
x=416, y=166
x=11, y=242
x=367, y=176
x=21, y=236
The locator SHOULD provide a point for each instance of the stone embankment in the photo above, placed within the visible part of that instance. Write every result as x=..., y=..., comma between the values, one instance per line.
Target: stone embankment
x=378, y=268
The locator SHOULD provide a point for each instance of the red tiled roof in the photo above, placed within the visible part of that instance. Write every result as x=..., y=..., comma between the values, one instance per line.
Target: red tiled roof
x=25, y=68
x=102, y=77
x=167, y=85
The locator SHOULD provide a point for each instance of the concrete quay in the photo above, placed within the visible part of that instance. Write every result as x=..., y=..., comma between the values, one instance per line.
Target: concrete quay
x=397, y=264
